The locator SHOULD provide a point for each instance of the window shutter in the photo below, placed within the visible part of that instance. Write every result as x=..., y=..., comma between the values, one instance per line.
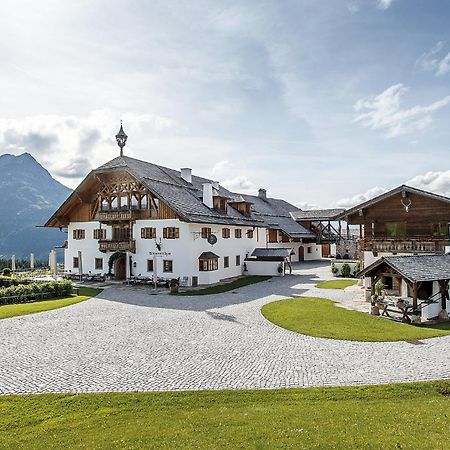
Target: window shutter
x=165, y=233
x=177, y=233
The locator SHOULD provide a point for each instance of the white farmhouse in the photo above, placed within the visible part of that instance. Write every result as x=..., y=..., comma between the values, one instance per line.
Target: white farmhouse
x=130, y=217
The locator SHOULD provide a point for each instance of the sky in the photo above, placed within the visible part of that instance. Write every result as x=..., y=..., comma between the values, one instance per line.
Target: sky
x=323, y=103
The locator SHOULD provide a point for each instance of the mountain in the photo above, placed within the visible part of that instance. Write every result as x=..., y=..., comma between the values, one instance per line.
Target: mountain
x=29, y=196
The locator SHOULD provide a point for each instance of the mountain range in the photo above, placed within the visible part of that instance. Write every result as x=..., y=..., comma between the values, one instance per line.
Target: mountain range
x=29, y=196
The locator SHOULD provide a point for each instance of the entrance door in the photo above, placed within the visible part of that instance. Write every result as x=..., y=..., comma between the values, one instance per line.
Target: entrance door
x=120, y=269
x=301, y=253
x=325, y=250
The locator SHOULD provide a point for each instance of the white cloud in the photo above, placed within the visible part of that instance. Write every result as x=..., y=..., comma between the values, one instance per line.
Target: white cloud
x=305, y=206
x=437, y=182
x=231, y=177
x=384, y=112
x=348, y=202
x=434, y=61
x=384, y=4
x=353, y=7
x=70, y=146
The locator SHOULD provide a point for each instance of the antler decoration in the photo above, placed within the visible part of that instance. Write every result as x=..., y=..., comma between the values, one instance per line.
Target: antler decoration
x=407, y=205
x=158, y=244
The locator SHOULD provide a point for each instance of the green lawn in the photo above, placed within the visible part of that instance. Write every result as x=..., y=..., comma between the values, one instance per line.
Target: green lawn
x=320, y=317
x=336, y=284
x=406, y=416
x=22, y=309
x=240, y=282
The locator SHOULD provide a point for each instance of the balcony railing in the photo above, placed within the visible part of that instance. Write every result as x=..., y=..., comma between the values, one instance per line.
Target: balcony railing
x=117, y=246
x=410, y=245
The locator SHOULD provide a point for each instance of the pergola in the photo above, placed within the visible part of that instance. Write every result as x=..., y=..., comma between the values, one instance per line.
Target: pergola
x=415, y=271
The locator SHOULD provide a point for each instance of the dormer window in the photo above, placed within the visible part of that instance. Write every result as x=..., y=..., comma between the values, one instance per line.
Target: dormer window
x=220, y=204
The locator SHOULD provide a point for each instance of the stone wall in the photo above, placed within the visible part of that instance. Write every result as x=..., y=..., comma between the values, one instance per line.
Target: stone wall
x=347, y=247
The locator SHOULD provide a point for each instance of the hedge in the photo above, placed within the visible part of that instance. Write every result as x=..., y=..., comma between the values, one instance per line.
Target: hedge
x=36, y=291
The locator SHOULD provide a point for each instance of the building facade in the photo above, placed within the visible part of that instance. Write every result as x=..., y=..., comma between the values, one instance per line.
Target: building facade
x=133, y=218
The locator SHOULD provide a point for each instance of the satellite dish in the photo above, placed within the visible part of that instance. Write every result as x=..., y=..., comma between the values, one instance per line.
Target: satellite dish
x=212, y=239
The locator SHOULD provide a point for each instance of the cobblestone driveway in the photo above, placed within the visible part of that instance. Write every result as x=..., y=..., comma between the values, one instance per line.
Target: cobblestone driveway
x=128, y=340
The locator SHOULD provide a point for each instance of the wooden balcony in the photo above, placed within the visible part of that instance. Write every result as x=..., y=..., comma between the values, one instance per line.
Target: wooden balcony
x=123, y=215
x=407, y=245
x=117, y=246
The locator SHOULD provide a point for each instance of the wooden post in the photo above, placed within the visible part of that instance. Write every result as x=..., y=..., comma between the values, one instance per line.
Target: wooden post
x=340, y=232
x=372, y=284
x=360, y=231
x=415, y=289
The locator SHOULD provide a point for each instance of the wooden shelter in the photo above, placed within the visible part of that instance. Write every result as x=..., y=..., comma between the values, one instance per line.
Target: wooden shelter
x=424, y=277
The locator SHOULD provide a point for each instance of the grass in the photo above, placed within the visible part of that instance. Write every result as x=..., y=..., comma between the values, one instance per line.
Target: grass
x=22, y=309
x=235, y=284
x=336, y=284
x=406, y=416
x=322, y=318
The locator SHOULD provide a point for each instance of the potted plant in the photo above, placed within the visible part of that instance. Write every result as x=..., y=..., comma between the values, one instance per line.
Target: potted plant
x=174, y=285
x=334, y=269
x=280, y=268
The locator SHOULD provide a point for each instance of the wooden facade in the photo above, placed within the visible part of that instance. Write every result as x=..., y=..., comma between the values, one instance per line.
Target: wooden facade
x=406, y=221
x=114, y=198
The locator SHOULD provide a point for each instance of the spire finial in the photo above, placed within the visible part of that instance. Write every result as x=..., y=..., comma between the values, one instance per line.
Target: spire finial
x=121, y=138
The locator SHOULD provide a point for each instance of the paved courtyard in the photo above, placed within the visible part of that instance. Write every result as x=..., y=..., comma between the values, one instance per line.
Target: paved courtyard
x=130, y=340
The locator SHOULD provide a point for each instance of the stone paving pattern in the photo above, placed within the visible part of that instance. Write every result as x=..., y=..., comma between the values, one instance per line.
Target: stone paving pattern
x=129, y=340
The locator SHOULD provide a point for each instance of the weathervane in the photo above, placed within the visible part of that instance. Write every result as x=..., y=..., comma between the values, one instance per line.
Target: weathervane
x=121, y=139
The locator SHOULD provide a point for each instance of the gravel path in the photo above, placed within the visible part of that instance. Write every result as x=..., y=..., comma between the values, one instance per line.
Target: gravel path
x=129, y=340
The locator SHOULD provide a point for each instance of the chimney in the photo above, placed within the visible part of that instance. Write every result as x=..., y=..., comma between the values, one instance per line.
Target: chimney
x=208, y=194
x=262, y=194
x=215, y=185
x=186, y=174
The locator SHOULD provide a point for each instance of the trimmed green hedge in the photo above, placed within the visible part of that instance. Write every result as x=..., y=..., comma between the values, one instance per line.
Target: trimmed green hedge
x=24, y=293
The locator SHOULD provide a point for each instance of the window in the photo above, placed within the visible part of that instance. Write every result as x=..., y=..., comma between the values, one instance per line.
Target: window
x=76, y=262
x=100, y=234
x=121, y=234
x=309, y=249
x=440, y=229
x=273, y=235
x=98, y=263
x=238, y=260
x=78, y=234
x=225, y=233
x=208, y=264
x=149, y=265
x=148, y=233
x=250, y=234
x=226, y=261
x=237, y=233
x=206, y=232
x=167, y=265
x=171, y=233
x=396, y=230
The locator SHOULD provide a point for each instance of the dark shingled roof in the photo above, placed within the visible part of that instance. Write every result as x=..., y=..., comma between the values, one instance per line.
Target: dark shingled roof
x=276, y=214
x=272, y=252
x=208, y=255
x=317, y=214
x=416, y=268
x=186, y=199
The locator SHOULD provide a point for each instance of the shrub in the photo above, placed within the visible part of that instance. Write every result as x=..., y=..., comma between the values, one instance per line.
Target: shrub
x=357, y=268
x=345, y=270
x=334, y=269
x=6, y=272
x=24, y=293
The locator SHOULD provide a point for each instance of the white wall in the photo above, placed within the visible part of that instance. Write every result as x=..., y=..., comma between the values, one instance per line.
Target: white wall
x=183, y=252
x=88, y=247
x=316, y=249
x=264, y=268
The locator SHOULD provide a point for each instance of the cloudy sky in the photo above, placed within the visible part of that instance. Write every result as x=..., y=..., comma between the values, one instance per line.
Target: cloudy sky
x=321, y=102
